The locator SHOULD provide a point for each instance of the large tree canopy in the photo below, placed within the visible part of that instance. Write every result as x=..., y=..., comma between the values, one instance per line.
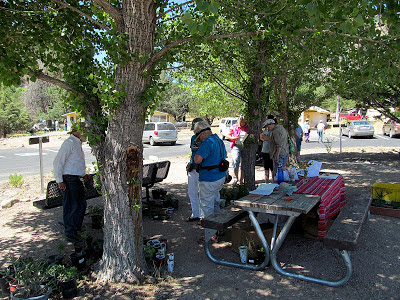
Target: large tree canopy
x=137, y=38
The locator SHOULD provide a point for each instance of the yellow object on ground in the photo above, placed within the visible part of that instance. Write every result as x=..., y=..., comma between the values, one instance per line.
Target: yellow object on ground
x=386, y=191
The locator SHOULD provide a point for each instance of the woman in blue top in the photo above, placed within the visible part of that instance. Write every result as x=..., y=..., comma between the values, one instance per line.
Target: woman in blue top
x=210, y=154
x=193, y=178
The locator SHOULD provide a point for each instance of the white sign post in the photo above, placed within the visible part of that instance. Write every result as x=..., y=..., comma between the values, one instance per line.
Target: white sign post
x=39, y=140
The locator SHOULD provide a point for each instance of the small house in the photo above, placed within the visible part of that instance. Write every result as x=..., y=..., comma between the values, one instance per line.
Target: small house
x=71, y=118
x=160, y=116
x=314, y=114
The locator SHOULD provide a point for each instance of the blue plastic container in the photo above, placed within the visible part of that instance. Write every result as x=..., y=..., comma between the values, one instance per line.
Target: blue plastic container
x=280, y=174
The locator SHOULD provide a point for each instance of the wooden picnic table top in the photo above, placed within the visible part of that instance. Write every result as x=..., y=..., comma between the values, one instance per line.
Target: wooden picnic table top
x=276, y=203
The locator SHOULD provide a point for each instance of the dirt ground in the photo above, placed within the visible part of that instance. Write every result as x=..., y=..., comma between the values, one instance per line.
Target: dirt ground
x=376, y=262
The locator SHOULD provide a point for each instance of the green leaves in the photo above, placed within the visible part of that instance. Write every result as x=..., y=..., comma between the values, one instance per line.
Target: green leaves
x=210, y=7
x=202, y=20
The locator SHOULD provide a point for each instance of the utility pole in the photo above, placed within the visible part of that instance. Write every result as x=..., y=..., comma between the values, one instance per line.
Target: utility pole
x=39, y=140
x=338, y=122
x=337, y=109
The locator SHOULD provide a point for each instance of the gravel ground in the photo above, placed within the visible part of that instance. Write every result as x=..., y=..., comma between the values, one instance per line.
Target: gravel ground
x=376, y=262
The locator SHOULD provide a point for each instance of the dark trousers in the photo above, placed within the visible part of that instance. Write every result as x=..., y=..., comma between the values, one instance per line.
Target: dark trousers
x=74, y=204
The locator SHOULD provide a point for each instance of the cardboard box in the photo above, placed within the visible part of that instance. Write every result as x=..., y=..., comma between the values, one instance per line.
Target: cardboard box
x=386, y=191
x=243, y=235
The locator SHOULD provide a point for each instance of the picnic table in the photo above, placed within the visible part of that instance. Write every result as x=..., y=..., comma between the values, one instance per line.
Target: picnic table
x=327, y=191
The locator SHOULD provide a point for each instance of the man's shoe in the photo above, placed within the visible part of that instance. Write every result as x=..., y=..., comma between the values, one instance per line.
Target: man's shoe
x=191, y=219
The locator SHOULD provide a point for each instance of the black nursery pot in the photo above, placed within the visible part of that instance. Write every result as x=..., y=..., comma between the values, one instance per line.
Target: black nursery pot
x=68, y=288
x=67, y=284
x=97, y=221
x=158, y=193
x=78, y=260
x=79, y=246
x=4, y=287
x=55, y=259
x=69, y=294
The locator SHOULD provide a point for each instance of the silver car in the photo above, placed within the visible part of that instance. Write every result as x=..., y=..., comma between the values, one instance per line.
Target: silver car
x=391, y=128
x=159, y=132
x=358, y=128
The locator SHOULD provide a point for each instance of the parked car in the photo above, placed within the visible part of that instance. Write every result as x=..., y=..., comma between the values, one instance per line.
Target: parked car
x=159, y=132
x=224, y=125
x=181, y=124
x=358, y=128
x=350, y=116
x=391, y=128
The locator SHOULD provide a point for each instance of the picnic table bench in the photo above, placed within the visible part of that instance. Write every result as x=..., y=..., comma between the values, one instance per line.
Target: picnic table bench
x=54, y=197
x=346, y=228
x=343, y=235
x=152, y=173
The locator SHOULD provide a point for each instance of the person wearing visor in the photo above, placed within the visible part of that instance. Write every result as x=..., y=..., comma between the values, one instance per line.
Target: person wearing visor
x=193, y=178
x=208, y=158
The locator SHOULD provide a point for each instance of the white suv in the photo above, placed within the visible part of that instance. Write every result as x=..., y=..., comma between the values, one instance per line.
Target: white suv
x=159, y=132
x=224, y=125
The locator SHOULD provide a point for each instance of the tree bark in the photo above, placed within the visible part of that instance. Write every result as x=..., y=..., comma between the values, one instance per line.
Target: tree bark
x=122, y=147
x=255, y=115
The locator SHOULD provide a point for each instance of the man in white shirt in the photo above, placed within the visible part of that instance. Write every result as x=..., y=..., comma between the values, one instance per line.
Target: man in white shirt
x=321, y=130
x=69, y=168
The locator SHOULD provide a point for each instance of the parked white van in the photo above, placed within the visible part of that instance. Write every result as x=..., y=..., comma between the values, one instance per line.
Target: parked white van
x=159, y=132
x=224, y=125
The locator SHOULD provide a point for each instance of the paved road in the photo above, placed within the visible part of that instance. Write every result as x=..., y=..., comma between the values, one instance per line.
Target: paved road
x=377, y=141
x=25, y=161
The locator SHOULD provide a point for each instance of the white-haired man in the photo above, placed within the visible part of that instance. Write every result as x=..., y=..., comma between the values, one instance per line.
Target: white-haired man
x=279, y=145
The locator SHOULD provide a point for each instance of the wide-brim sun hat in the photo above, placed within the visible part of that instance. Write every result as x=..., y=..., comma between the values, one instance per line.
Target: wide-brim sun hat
x=201, y=126
x=72, y=131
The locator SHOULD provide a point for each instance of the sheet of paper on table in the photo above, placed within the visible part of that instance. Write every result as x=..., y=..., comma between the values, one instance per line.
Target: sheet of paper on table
x=265, y=189
x=328, y=176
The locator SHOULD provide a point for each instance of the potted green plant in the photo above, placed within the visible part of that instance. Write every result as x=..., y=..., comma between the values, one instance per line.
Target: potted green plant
x=29, y=275
x=252, y=255
x=96, y=213
x=57, y=258
x=170, y=200
x=65, y=280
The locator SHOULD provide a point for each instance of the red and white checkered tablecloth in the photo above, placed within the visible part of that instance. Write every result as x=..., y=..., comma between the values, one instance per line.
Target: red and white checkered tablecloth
x=333, y=197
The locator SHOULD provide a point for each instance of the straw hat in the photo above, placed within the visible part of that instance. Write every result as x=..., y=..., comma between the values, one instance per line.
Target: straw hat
x=201, y=126
x=195, y=121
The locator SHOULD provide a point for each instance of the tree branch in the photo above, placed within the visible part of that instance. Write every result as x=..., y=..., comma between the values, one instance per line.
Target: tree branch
x=54, y=81
x=24, y=11
x=164, y=50
x=175, y=8
x=227, y=89
x=66, y=5
x=114, y=12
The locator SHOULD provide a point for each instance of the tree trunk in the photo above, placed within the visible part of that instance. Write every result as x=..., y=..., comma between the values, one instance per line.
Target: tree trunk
x=255, y=115
x=122, y=150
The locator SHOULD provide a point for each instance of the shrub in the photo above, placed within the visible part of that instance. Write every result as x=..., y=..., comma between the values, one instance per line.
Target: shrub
x=16, y=180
